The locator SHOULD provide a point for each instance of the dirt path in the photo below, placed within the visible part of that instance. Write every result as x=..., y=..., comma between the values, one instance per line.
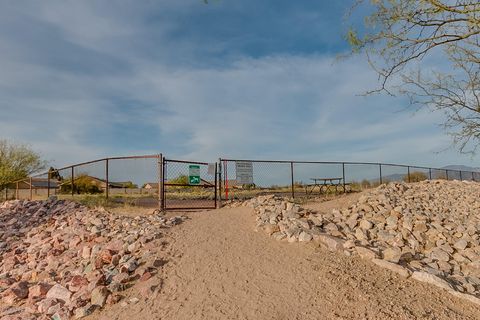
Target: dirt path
x=221, y=269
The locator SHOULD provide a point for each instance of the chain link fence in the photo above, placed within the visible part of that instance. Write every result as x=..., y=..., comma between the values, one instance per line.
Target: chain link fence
x=167, y=184
x=189, y=185
x=133, y=180
x=243, y=179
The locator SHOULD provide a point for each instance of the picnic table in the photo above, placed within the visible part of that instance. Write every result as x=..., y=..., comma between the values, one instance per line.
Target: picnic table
x=324, y=184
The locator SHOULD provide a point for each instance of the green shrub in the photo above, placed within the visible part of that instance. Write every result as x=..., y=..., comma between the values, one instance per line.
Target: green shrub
x=83, y=184
x=181, y=179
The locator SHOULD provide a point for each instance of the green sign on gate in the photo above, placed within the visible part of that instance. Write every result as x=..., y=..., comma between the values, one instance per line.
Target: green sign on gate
x=194, y=174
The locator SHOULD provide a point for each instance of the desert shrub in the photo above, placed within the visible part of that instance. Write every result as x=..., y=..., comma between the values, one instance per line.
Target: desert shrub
x=415, y=176
x=249, y=186
x=298, y=184
x=181, y=179
x=366, y=184
x=129, y=185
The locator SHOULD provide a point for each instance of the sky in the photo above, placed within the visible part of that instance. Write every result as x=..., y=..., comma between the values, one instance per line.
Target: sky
x=81, y=80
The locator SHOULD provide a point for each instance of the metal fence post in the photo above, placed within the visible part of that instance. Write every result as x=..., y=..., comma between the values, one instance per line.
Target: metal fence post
x=226, y=178
x=430, y=173
x=48, y=183
x=107, y=183
x=16, y=192
x=408, y=173
x=293, y=180
x=446, y=174
x=219, y=182
x=160, y=181
x=31, y=188
x=164, y=175
x=216, y=181
x=343, y=177
x=73, y=180
x=380, y=167
x=461, y=179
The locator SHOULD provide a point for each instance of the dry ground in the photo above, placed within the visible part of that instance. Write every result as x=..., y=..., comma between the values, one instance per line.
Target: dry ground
x=219, y=268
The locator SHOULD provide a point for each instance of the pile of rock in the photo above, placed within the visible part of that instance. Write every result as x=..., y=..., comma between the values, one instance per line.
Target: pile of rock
x=59, y=259
x=428, y=230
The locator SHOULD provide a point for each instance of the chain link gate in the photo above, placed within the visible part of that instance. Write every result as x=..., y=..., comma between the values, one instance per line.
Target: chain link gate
x=189, y=185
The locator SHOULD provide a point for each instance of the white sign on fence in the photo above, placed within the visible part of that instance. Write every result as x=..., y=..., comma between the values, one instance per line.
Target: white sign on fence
x=211, y=169
x=244, y=170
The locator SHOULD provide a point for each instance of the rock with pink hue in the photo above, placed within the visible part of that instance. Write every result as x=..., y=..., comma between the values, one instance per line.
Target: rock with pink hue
x=99, y=296
x=45, y=304
x=39, y=290
x=76, y=283
x=59, y=292
x=59, y=252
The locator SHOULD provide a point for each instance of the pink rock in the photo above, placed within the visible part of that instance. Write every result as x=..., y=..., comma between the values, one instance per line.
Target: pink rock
x=76, y=283
x=113, y=298
x=59, y=292
x=74, y=242
x=122, y=277
x=115, y=259
x=106, y=256
x=99, y=296
x=147, y=275
x=16, y=292
x=115, y=245
x=54, y=309
x=39, y=290
x=10, y=262
x=45, y=304
x=6, y=282
x=86, y=252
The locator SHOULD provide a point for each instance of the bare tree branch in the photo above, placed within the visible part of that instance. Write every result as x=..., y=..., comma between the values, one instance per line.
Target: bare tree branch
x=402, y=32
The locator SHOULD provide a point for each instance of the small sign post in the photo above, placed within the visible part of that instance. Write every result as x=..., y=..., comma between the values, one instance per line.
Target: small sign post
x=194, y=174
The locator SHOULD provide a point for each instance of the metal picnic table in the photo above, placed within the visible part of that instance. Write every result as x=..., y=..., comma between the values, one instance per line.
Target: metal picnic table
x=324, y=184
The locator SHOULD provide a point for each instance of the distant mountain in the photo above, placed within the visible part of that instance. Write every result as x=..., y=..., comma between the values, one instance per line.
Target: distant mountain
x=454, y=174
x=460, y=167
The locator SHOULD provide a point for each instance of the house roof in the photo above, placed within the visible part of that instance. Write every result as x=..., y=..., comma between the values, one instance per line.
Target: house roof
x=39, y=183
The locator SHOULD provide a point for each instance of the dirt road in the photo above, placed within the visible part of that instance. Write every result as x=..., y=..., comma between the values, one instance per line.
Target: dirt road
x=219, y=268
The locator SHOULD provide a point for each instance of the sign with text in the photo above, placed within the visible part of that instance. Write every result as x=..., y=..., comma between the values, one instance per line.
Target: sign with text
x=244, y=170
x=194, y=174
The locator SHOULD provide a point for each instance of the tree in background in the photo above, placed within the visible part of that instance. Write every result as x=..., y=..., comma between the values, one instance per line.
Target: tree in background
x=397, y=38
x=83, y=184
x=17, y=161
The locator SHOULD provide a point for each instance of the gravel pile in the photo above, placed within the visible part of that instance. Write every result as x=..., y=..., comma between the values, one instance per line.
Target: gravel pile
x=428, y=230
x=59, y=259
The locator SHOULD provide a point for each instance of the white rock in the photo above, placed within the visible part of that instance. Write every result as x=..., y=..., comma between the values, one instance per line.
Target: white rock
x=392, y=267
x=431, y=279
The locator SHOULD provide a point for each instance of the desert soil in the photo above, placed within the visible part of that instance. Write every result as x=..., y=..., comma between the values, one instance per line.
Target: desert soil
x=219, y=268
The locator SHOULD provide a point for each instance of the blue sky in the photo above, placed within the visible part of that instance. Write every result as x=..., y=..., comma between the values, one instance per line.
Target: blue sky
x=82, y=80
